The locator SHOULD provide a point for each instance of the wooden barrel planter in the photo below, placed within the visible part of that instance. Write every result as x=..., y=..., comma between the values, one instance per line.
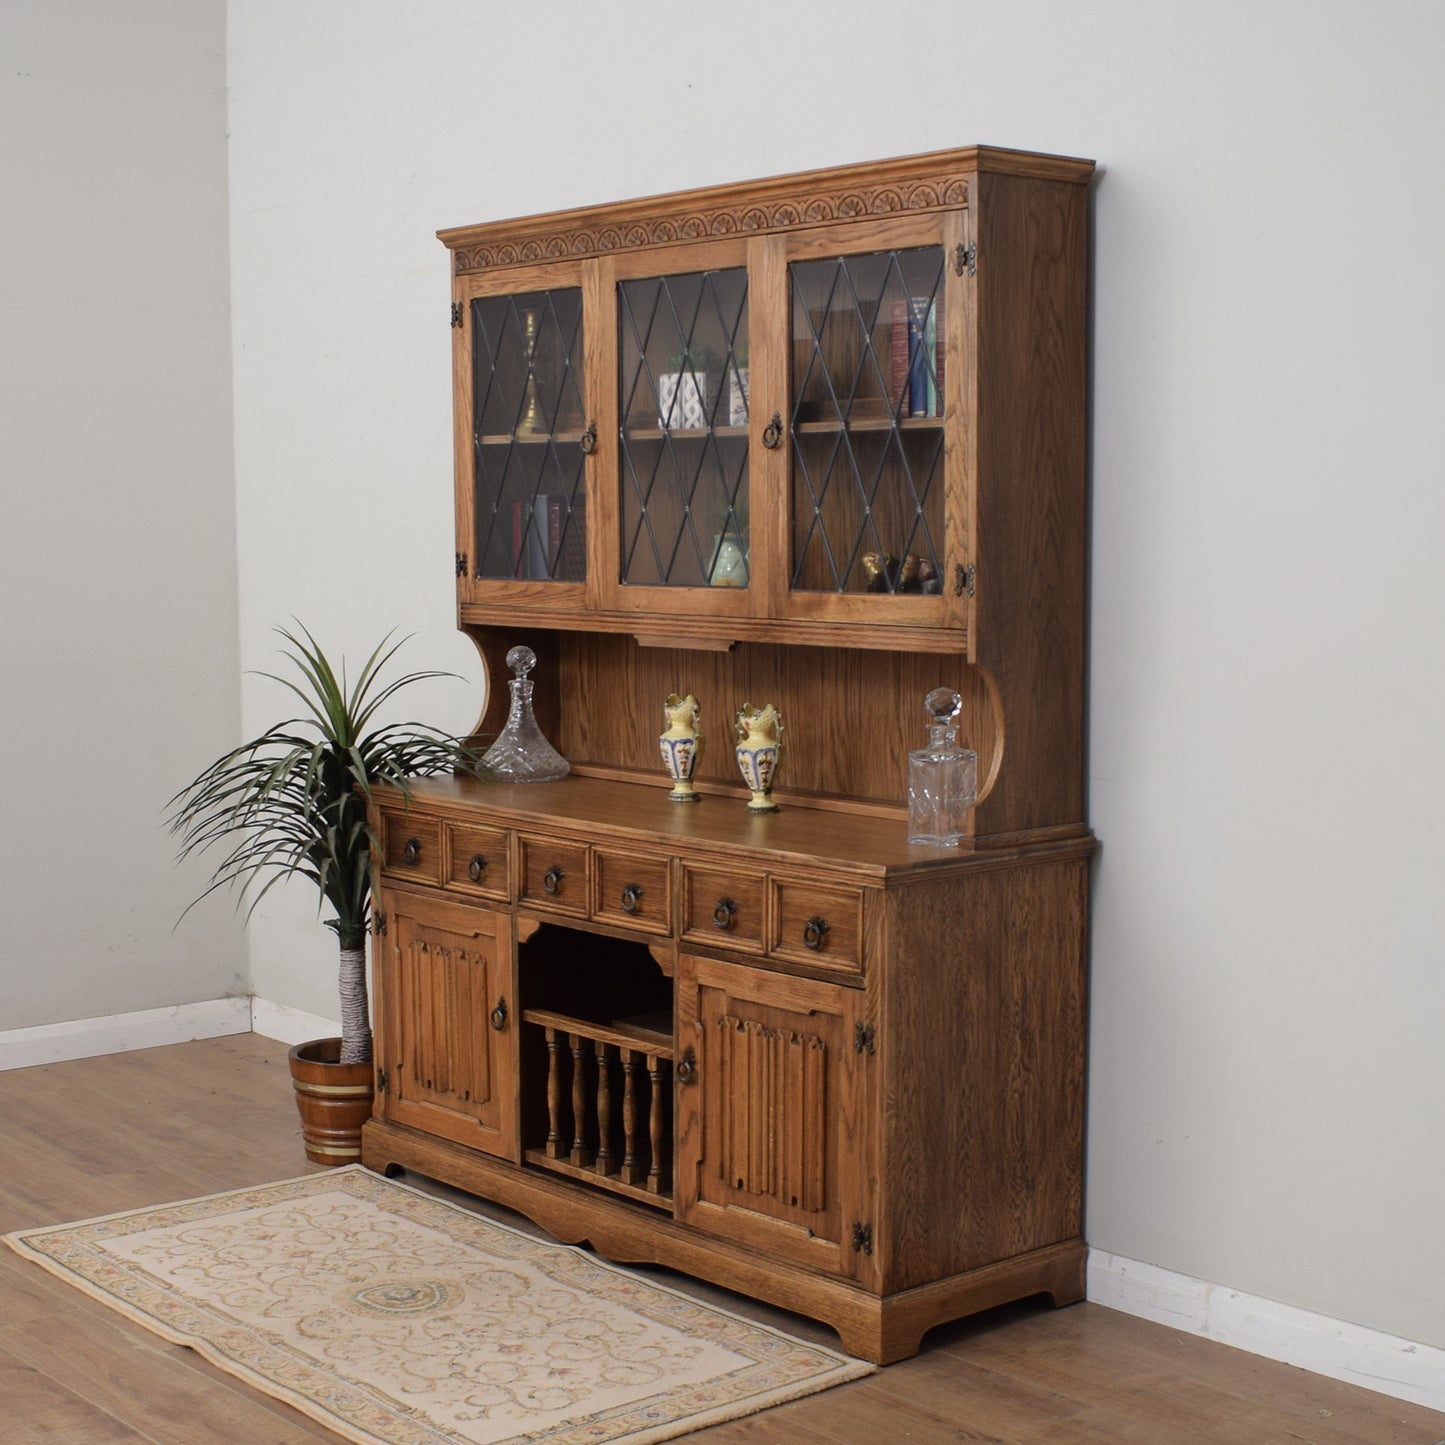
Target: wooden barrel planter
x=334, y=1100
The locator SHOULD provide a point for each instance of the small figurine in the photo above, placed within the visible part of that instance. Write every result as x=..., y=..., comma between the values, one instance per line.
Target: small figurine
x=879, y=568
x=760, y=739
x=680, y=744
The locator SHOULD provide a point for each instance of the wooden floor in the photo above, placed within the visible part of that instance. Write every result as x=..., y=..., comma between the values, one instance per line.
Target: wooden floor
x=100, y=1135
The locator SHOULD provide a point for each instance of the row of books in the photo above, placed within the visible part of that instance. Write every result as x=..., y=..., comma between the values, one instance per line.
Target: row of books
x=915, y=354
x=549, y=542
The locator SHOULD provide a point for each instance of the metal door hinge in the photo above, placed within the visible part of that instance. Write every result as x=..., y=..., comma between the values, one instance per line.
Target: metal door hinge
x=383, y=1081
x=378, y=923
x=965, y=258
x=863, y=1036
x=862, y=1238
x=963, y=575
x=461, y=564
x=459, y=313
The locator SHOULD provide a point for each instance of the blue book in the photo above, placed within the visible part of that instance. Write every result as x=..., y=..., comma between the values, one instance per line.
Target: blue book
x=918, y=308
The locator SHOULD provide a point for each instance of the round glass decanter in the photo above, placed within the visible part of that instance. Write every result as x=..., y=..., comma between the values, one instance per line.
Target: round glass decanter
x=521, y=754
x=942, y=777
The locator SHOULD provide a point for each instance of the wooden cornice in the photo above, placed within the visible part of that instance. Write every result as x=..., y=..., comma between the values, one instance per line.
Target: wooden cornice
x=940, y=179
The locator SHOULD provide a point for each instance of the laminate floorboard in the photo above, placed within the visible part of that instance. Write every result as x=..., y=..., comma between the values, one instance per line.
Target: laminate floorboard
x=95, y=1136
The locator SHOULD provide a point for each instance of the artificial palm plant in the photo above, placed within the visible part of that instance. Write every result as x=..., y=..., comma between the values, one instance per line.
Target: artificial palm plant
x=292, y=802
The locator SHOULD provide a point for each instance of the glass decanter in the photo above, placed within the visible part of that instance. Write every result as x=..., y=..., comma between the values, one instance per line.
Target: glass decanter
x=521, y=754
x=942, y=778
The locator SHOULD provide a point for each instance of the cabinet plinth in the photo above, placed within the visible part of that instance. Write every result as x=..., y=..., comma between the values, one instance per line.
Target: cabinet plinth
x=817, y=441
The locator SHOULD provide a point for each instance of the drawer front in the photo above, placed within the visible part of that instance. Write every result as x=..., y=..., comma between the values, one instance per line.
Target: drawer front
x=552, y=874
x=822, y=927
x=477, y=861
x=411, y=846
x=722, y=908
x=633, y=889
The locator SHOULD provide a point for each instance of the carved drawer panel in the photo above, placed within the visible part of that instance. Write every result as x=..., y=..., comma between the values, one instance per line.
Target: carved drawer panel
x=552, y=874
x=477, y=861
x=633, y=889
x=411, y=846
x=821, y=927
x=723, y=908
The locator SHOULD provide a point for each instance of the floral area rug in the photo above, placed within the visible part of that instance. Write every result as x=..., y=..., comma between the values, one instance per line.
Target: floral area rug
x=390, y=1315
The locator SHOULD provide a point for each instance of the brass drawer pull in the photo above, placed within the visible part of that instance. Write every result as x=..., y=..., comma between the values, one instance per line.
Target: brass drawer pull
x=477, y=867
x=813, y=931
x=499, y=1015
x=631, y=897
x=724, y=913
x=687, y=1067
x=411, y=854
x=552, y=879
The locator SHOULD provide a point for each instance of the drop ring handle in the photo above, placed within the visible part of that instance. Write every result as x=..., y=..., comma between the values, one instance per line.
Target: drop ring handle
x=588, y=442
x=552, y=879
x=813, y=931
x=412, y=852
x=477, y=867
x=499, y=1015
x=631, y=897
x=723, y=914
x=773, y=432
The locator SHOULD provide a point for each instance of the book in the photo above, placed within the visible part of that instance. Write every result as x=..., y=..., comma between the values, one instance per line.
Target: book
x=930, y=354
x=898, y=359
x=917, y=356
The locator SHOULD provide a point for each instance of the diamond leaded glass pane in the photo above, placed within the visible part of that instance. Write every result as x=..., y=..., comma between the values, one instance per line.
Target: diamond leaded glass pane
x=867, y=422
x=528, y=412
x=683, y=374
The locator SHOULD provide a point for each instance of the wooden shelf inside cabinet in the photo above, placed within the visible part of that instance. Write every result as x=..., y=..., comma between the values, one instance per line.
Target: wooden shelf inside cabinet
x=682, y=434
x=531, y=438
x=870, y=423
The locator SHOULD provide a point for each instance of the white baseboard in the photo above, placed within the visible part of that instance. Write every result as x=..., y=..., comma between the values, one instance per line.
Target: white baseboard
x=120, y=1033
x=1360, y=1356
x=290, y=1025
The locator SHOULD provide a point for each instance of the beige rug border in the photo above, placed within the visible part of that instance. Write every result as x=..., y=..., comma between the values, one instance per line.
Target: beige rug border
x=847, y=1368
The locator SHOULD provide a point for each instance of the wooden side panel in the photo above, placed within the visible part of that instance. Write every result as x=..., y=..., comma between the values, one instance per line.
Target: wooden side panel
x=450, y=1072
x=1031, y=367
x=983, y=1051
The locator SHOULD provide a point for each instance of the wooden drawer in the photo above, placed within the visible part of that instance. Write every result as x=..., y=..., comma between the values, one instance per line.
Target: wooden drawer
x=552, y=874
x=722, y=908
x=819, y=926
x=411, y=846
x=633, y=889
x=477, y=861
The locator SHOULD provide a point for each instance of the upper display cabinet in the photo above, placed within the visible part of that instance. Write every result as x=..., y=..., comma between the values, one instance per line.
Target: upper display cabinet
x=843, y=407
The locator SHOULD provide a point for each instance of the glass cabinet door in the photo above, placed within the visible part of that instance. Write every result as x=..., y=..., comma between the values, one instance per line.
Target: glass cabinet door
x=683, y=423
x=867, y=428
x=529, y=437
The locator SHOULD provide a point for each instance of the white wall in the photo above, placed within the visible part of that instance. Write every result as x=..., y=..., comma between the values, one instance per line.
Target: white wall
x=1267, y=609
x=118, y=654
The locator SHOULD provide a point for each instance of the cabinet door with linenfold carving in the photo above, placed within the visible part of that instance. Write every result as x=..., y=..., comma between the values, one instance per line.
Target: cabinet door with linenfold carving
x=772, y=1145
x=447, y=1027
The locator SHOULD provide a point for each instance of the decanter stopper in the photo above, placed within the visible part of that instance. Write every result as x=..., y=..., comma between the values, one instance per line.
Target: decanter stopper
x=942, y=777
x=521, y=754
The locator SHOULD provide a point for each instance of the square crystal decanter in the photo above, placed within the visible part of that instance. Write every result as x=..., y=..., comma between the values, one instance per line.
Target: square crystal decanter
x=942, y=778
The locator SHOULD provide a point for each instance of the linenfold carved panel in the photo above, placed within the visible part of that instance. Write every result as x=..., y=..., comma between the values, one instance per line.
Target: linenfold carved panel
x=774, y=1120
x=725, y=220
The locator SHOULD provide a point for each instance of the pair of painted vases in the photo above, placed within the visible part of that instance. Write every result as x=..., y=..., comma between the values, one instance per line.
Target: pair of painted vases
x=759, y=732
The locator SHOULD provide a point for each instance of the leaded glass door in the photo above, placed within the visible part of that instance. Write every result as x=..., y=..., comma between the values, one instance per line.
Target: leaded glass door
x=873, y=532
x=683, y=486
x=524, y=481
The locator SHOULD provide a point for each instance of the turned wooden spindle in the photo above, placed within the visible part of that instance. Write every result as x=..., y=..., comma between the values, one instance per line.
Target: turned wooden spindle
x=632, y=1169
x=656, y=1068
x=556, y=1148
x=606, y=1162
x=581, y=1154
